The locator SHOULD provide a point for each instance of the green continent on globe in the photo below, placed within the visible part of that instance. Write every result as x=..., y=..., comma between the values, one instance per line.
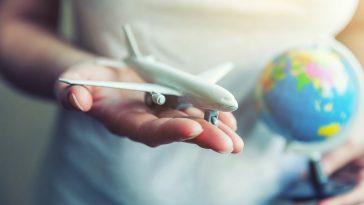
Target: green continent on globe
x=317, y=68
x=308, y=94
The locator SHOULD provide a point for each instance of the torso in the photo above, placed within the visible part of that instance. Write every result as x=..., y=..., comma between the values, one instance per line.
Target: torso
x=191, y=35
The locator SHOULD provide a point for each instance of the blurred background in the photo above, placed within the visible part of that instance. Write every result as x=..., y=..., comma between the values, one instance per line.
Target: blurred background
x=26, y=126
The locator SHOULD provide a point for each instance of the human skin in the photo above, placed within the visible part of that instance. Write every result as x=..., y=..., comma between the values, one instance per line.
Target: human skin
x=351, y=153
x=32, y=58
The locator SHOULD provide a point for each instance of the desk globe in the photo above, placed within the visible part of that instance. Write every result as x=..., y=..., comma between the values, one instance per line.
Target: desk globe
x=309, y=96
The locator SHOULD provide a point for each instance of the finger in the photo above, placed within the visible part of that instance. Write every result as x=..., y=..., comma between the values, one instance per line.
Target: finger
x=153, y=131
x=338, y=158
x=238, y=143
x=213, y=138
x=167, y=130
x=359, y=162
x=194, y=112
x=172, y=114
x=191, y=111
x=76, y=97
x=354, y=197
x=228, y=119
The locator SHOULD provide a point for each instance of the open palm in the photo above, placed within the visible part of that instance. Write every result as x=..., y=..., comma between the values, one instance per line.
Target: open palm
x=125, y=114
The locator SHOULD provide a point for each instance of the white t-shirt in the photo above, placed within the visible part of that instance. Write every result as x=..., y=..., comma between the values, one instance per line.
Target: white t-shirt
x=88, y=165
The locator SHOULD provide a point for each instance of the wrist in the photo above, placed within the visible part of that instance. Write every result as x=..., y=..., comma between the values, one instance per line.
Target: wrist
x=90, y=67
x=96, y=61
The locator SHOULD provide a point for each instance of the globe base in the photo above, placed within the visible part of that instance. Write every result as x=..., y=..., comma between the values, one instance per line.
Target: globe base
x=318, y=186
x=303, y=191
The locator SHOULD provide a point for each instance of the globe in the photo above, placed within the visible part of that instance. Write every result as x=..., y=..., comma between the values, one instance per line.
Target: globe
x=308, y=95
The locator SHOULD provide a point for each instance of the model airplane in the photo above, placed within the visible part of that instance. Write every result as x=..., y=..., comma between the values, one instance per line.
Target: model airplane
x=165, y=82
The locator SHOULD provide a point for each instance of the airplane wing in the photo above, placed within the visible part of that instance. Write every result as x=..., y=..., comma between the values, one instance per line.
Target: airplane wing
x=215, y=74
x=144, y=87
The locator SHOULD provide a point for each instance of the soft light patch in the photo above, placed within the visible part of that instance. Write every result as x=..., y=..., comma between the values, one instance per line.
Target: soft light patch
x=317, y=106
x=328, y=107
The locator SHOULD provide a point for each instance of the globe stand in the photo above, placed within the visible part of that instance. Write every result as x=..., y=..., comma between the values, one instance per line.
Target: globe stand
x=318, y=185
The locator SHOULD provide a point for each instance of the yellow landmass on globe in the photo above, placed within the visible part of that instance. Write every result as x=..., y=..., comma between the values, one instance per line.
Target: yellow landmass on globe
x=329, y=130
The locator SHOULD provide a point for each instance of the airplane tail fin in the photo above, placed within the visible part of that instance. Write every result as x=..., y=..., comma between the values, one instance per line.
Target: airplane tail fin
x=130, y=41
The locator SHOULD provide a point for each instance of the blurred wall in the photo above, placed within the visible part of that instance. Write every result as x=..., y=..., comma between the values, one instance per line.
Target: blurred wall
x=25, y=126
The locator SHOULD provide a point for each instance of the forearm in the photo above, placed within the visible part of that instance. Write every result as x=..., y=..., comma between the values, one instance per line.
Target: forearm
x=353, y=35
x=354, y=40
x=32, y=57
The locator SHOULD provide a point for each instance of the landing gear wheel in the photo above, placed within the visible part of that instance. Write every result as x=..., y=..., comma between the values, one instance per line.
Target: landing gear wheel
x=212, y=116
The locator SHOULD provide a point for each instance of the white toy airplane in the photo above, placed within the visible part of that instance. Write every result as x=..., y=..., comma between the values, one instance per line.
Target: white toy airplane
x=166, y=81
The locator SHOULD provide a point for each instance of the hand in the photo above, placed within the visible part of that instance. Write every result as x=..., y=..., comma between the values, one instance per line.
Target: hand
x=350, y=154
x=124, y=113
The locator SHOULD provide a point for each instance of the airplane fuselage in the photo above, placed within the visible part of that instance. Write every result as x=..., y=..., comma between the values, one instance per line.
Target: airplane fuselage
x=197, y=91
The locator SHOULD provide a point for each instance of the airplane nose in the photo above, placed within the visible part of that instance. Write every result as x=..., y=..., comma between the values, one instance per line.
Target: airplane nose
x=234, y=106
x=231, y=106
x=228, y=103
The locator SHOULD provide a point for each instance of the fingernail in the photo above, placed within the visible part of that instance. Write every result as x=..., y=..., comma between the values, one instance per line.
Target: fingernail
x=77, y=103
x=240, y=147
x=195, y=132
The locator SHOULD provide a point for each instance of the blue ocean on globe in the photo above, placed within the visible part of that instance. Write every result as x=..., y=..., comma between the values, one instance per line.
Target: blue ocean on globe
x=308, y=95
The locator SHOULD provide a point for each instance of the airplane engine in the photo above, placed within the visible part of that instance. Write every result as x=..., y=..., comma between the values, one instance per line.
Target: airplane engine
x=158, y=98
x=154, y=98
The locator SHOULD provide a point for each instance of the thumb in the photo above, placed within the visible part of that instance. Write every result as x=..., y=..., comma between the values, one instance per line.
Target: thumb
x=75, y=97
x=338, y=158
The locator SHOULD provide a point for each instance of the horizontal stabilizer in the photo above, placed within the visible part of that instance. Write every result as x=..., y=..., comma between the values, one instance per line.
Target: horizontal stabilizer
x=215, y=74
